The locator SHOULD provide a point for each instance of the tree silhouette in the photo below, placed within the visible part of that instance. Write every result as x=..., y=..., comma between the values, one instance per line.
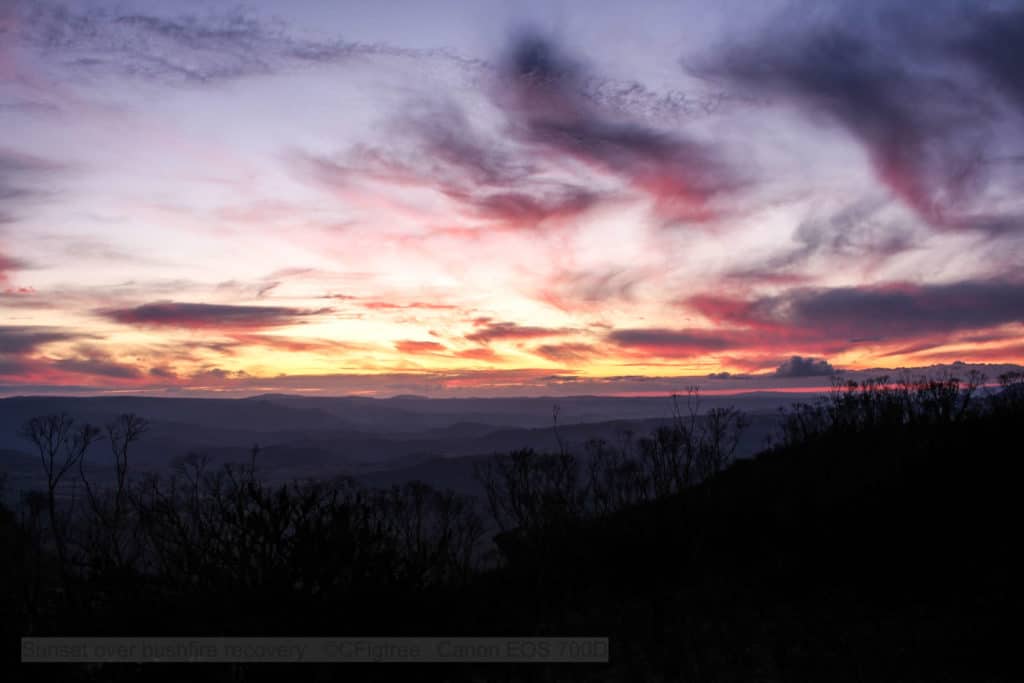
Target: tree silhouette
x=61, y=446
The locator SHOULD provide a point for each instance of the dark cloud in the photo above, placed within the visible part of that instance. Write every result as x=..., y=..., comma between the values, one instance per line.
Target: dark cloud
x=19, y=345
x=490, y=331
x=542, y=91
x=526, y=209
x=16, y=339
x=993, y=40
x=485, y=179
x=798, y=366
x=217, y=316
x=728, y=375
x=440, y=146
x=888, y=312
x=892, y=78
x=102, y=367
x=667, y=343
x=565, y=353
x=555, y=113
x=456, y=152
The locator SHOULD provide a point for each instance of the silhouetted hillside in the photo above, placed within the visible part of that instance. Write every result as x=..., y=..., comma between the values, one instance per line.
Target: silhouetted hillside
x=876, y=542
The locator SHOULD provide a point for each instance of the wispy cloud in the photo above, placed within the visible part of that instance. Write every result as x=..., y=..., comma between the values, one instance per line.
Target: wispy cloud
x=542, y=89
x=188, y=48
x=859, y=233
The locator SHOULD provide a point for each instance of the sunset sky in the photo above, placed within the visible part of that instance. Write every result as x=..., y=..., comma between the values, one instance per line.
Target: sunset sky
x=493, y=198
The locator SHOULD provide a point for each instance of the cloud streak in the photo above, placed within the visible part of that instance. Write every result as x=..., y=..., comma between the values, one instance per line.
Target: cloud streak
x=209, y=316
x=488, y=331
x=846, y=315
x=189, y=48
x=669, y=343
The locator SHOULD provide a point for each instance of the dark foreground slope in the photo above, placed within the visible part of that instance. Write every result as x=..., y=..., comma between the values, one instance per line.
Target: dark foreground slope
x=864, y=554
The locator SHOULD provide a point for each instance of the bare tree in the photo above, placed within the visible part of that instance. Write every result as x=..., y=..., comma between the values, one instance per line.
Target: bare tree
x=122, y=433
x=61, y=445
x=107, y=544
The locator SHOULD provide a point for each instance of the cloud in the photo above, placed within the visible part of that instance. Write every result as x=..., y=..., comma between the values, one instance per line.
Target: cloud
x=564, y=138
x=531, y=209
x=893, y=80
x=21, y=181
x=728, y=375
x=558, y=119
x=20, y=176
x=413, y=347
x=280, y=342
x=450, y=148
x=16, y=339
x=858, y=232
x=846, y=315
x=102, y=367
x=798, y=366
x=189, y=48
x=489, y=331
x=390, y=305
x=485, y=181
x=480, y=353
x=669, y=343
x=215, y=316
x=992, y=39
x=565, y=353
x=543, y=92
x=573, y=290
x=20, y=346
x=9, y=264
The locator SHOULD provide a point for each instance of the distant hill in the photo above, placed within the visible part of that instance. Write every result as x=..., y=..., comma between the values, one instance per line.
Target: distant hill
x=320, y=436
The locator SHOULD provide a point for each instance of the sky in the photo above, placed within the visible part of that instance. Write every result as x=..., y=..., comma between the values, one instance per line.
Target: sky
x=491, y=198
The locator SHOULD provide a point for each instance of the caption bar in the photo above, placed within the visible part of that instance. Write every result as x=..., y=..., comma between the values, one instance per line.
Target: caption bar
x=337, y=650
